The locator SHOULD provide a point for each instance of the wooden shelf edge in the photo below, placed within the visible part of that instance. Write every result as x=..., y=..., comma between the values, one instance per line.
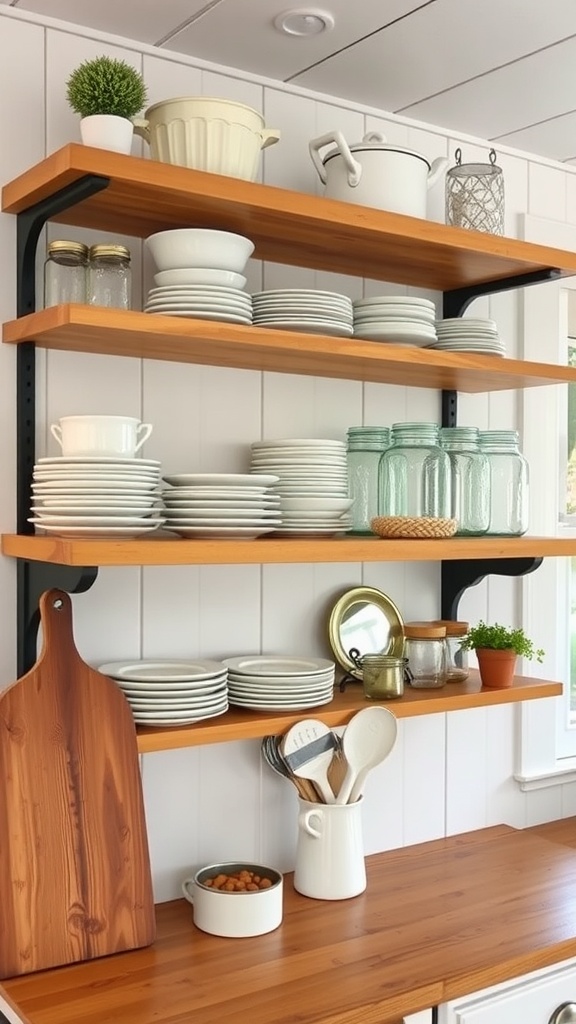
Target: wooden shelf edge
x=174, y=550
x=237, y=724
x=146, y=195
x=141, y=335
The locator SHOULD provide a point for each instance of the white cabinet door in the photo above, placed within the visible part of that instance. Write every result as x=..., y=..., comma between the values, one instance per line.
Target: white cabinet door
x=532, y=999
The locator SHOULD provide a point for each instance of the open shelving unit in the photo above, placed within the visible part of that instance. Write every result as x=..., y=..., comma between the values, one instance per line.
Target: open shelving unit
x=94, y=188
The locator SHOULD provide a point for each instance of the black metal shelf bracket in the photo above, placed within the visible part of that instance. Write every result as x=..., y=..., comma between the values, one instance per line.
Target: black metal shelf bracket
x=35, y=577
x=457, y=576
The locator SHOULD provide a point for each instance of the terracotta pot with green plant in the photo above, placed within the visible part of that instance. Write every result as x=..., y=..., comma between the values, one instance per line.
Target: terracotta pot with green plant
x=497, y=648
x=106, y=93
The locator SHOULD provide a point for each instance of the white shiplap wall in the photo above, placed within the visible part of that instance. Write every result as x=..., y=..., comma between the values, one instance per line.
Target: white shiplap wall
x=447, y=774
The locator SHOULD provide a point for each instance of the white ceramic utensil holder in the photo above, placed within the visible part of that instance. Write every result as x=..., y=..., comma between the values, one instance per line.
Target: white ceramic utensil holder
x=330, y=851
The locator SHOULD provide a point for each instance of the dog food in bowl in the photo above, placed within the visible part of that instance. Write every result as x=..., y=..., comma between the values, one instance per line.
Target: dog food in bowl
x=235, y=900
x=199, y=247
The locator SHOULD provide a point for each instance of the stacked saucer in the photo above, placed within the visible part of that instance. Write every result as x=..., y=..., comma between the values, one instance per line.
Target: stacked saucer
x=312, y=482
x=96, y=496
x=469, y=334
x=168, y=692
x=403, y=319
x=263, y=682
x=239, y=505
x=201, y=301
x=303, y=309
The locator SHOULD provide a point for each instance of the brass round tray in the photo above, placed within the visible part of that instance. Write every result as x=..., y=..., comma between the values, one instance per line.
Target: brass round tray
x=415, y=527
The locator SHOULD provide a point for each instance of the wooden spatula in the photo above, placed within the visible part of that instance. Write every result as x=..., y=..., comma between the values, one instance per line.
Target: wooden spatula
x=74, y=866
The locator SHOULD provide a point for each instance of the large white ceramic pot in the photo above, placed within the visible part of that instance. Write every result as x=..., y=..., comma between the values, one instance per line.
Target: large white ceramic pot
x=207, y=134
x=375, y=173
x=107, y=131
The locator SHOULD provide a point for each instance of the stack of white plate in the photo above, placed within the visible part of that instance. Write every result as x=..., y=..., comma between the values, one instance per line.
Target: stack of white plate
x=403, y=319
x=221, y=504
x=168, y=692
x=312, y=481
x=304, y=309
x=469, y=334
x=201, y=301
x=264, y=682
x=96, y=496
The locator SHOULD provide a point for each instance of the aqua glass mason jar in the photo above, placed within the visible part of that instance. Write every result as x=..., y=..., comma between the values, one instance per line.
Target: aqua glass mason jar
x=365, y=446
x=470, y=479
x=414, y=473
x=509, y=477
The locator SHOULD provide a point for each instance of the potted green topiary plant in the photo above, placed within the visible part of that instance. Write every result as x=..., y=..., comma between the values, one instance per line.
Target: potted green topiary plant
x=497, y=648
x=107, y=93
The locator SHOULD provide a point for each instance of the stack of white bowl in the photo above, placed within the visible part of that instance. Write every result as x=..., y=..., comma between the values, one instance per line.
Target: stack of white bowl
x=263, y=682
x=235, y=505
x=80, y=496
x=200, y=274
x=469, y=334
x=303, y=309
x=168, y=692
x=312, y=483
x=400, y=319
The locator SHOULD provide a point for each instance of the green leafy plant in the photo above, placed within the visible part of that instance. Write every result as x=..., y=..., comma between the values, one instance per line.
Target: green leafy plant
x=501, y=638
x=106, y=86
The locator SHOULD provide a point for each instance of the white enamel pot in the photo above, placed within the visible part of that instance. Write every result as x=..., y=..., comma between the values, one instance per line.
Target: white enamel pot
x=375, y=173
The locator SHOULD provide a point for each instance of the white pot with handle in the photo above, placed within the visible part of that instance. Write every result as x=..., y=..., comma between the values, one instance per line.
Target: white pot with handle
x=206, y=134
x=376, y=173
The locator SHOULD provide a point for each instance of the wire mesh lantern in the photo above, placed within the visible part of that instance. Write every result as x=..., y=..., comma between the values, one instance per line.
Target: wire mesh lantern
x=475, y=195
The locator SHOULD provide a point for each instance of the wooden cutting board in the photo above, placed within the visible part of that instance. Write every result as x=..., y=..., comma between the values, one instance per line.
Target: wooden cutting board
x=74, y=866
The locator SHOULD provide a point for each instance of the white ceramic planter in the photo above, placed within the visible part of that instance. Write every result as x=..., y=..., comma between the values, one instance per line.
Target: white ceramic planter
x=107, y=131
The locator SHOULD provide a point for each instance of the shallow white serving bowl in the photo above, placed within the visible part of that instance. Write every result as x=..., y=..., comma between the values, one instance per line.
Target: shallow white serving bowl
x=200, y=275
x=185, y=248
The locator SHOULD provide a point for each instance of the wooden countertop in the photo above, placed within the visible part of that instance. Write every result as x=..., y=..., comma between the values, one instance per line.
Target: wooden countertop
x=437, y=920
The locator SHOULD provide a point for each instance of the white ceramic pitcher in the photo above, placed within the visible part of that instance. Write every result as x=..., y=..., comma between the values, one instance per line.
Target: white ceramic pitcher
x=330, y=851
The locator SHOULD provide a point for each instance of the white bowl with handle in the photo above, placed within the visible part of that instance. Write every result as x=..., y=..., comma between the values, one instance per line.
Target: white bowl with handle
x=235, y=914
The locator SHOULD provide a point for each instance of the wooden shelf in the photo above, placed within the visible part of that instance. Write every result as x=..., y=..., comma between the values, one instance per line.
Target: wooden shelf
x=129, y=333
x=164, y=550
x=288, y=227
x=240, y=724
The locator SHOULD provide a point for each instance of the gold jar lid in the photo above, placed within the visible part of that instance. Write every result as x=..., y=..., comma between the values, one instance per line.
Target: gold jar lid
x=119, y=252
x=78, y=248
x=453, y=627
x=424, y=631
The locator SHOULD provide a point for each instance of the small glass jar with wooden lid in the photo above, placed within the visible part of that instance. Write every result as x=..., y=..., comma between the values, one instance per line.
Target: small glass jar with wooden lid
x=425, y=648
x=456, y=659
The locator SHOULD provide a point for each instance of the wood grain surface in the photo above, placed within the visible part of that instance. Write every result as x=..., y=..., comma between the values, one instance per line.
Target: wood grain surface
x=287, y=227
x=437, y=921
x=74, y=866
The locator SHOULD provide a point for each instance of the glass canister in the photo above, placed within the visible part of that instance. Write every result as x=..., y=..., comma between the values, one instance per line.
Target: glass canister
x=110, y=276
x=470, y=479
x=475, y=195
x=65, y=273
x=509, y=476
x=457, y=669
x=414, y=473
x=383, y=676
x=365, y=445
x=425, y=648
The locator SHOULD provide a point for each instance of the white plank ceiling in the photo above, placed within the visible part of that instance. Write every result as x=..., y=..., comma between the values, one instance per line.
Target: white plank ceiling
x=500, y=69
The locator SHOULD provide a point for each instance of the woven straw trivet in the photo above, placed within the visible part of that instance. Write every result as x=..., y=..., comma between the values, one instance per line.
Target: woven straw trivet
x=417, y=527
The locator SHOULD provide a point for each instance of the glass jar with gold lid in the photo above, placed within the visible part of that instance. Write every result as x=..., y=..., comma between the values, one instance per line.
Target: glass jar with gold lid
x=109, y=276
x=65, y=272
x=424, y=646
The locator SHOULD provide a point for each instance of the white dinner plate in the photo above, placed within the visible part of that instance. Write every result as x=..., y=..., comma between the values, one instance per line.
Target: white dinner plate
x=255, y=523
x=172, y=691
x=227, y=318
x=193, y=705
x=97, y=531
x=298, y=442
x=162, y=718
x=277, y=665
x=245, y=532
x=96, y=460
x=228, y=516
x=229, y=479
x=282, y=706
x=54, y=520
x=168, y=670
x=309, y=327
